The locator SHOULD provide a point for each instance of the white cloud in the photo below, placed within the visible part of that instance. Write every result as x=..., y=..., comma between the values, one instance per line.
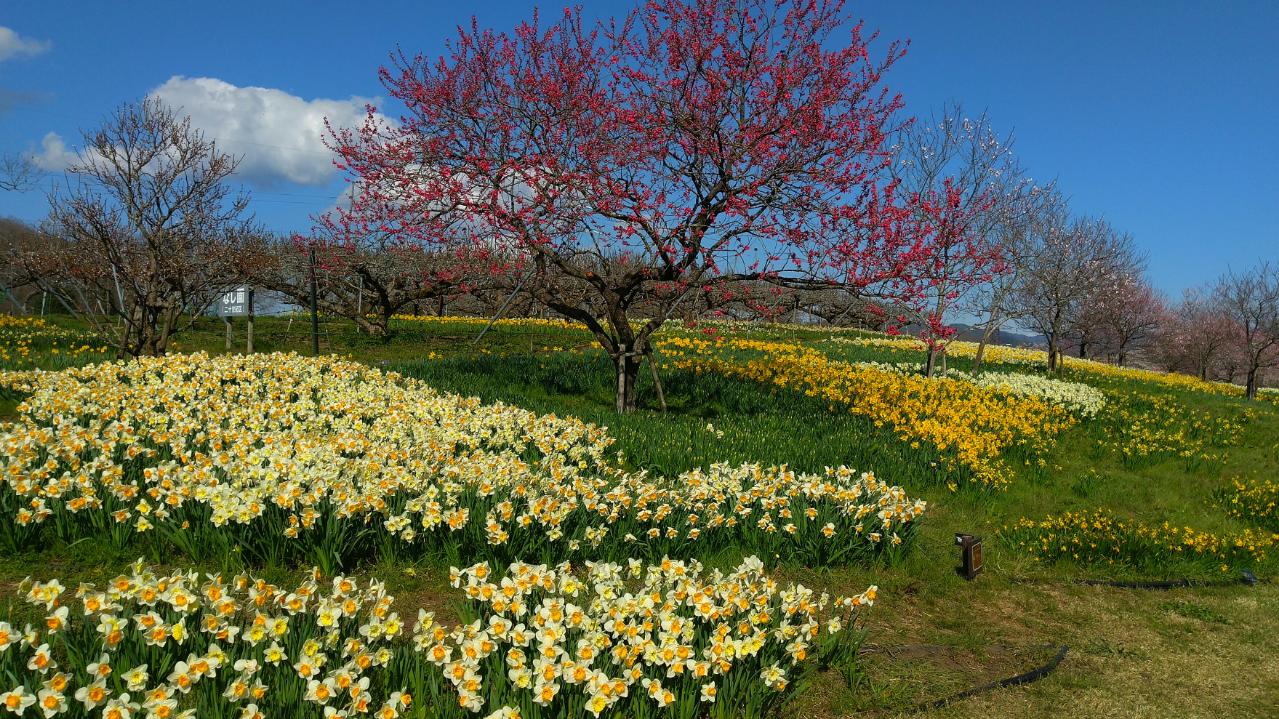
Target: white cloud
x=53, y=155
x=14, y=45
x=278, y=135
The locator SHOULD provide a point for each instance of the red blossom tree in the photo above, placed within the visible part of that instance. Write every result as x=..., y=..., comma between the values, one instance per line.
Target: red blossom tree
x=956, y=255
x=611, y=170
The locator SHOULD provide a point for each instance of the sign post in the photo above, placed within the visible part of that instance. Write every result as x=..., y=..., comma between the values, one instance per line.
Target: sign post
x=237, y=303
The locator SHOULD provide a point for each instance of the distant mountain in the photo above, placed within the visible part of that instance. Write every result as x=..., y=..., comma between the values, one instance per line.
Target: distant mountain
x=972, y=333
x=1012, y=339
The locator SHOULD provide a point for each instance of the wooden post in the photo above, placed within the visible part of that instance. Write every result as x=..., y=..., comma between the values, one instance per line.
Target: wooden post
x=315, y=312
x=228, y=332
x=969, y=555
x=657, y=381
x=501, y=309
x=249, y=329
x=621, y=378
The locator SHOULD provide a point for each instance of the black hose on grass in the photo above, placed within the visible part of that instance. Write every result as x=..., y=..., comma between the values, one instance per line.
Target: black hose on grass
x=1023, y=678
x=1246, y=578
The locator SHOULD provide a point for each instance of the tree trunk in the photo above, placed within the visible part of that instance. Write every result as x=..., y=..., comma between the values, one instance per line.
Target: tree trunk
x=1251, y=390
x=981, y=350
x=153, y=329
x=150, y=345
x=930, y=363
x=1053, y=354
x=384, y=323
x=375, y=327
x=1122, y=350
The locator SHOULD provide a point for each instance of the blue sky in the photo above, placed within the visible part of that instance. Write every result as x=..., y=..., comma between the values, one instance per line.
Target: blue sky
x=1162, y=117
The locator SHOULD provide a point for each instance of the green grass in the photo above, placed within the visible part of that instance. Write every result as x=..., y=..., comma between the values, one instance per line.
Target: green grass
x=708, y=419
x=1192, y=652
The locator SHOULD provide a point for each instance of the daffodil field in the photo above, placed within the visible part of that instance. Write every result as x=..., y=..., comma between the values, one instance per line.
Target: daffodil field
x=283, y=460
x=1256, y=502
x=438, y=527
x=664, y=639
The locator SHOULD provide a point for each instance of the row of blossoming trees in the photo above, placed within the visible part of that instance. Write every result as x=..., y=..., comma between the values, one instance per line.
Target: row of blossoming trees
x=693, y=157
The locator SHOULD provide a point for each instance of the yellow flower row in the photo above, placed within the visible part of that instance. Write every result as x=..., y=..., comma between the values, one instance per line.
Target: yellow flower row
x=559, y=323
x=29, y=342
x=1255, y=502
x=540, y=322
x=971, y=426
x=1027, y=356
x=998, y=354
x=1101, y=537
x=1143, y=427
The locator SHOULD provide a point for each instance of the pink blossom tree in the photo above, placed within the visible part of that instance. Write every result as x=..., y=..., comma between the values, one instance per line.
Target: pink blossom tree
x=1127, y=311
x=956, y=256
x=1251, y=299
x=965, y=185
x=1194, y=334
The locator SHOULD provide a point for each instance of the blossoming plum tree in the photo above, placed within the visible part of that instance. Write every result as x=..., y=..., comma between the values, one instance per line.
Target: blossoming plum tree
x=1251, y=300
x=611, y=169
x=1120, y=315
x=968, y=193
x=1195, y=334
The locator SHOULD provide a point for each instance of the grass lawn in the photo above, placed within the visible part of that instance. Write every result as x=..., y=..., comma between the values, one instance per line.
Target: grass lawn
x=1189, y=652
